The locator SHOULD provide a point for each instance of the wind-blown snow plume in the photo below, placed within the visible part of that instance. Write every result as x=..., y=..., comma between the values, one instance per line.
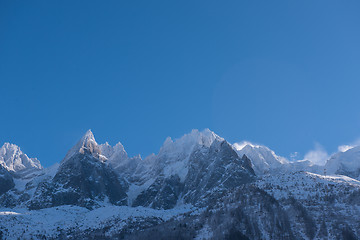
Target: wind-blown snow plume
x=318, y=155
x=262, y=158
x=197, y=186
x=345, y=147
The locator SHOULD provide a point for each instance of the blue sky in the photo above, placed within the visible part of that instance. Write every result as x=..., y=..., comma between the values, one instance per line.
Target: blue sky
x=281, y=73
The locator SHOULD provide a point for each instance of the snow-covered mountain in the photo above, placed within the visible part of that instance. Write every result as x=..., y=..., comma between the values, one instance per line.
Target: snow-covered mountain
x=173, y=157
x=82, y=179
x=186, y=169
x=13, y=159
x=345, y=163
x=263, y=159
x=196, y=187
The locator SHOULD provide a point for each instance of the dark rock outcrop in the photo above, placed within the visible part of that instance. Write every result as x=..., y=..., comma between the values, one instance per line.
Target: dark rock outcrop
x=211, y=172
x=6, y=181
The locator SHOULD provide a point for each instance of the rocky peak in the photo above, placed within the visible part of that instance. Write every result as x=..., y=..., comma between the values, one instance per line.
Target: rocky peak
x=13, y=159
x=181, y=148
x=86, y=145
x=262, y=158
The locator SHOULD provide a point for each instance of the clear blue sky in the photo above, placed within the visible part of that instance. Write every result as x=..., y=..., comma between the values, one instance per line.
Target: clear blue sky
x=281, y=73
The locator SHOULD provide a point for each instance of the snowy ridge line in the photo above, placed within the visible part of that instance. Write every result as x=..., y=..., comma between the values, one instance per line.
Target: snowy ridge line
x=197, y=187
x=176, y=152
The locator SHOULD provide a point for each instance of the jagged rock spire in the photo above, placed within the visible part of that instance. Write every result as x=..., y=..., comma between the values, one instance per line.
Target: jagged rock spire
x=86, y=144
x=13, y=159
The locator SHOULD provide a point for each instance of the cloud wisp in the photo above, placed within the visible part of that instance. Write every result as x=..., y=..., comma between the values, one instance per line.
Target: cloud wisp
x=318, y=155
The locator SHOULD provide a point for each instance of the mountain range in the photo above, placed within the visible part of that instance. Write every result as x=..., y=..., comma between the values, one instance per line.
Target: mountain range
x=196, y=187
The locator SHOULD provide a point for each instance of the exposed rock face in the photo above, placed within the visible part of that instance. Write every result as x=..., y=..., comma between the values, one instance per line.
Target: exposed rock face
x=214, y=171
x=119, y=161
x=196, y=187
x=6, y=181
x=164, y=193
x=211, y=170
x=246, y=216
x=263, y=159
x=82, y=179
x=86, y=145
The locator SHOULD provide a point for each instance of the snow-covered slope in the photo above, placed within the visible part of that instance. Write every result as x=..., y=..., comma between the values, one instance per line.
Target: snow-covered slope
x=13, y=159
x=118, y=159
x=186, y=170
x=197, y=187
x=346, y=163
x=263, y=159
x=115, y=153
x=114, y=156
x=173, y=156
x=318, y=206
x=82, y=179
x=86, y=144
x=57, y=222
x=170, y=163
x=266, y=161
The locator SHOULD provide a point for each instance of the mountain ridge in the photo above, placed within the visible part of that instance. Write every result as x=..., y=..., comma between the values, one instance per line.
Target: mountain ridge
x=197, y=186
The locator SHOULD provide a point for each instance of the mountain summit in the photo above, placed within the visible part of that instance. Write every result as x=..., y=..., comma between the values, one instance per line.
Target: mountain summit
x=13, y=159
x=86, y=144
x=263, y=159
x=83, y=178
x=345, y=163
x=198, y=186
